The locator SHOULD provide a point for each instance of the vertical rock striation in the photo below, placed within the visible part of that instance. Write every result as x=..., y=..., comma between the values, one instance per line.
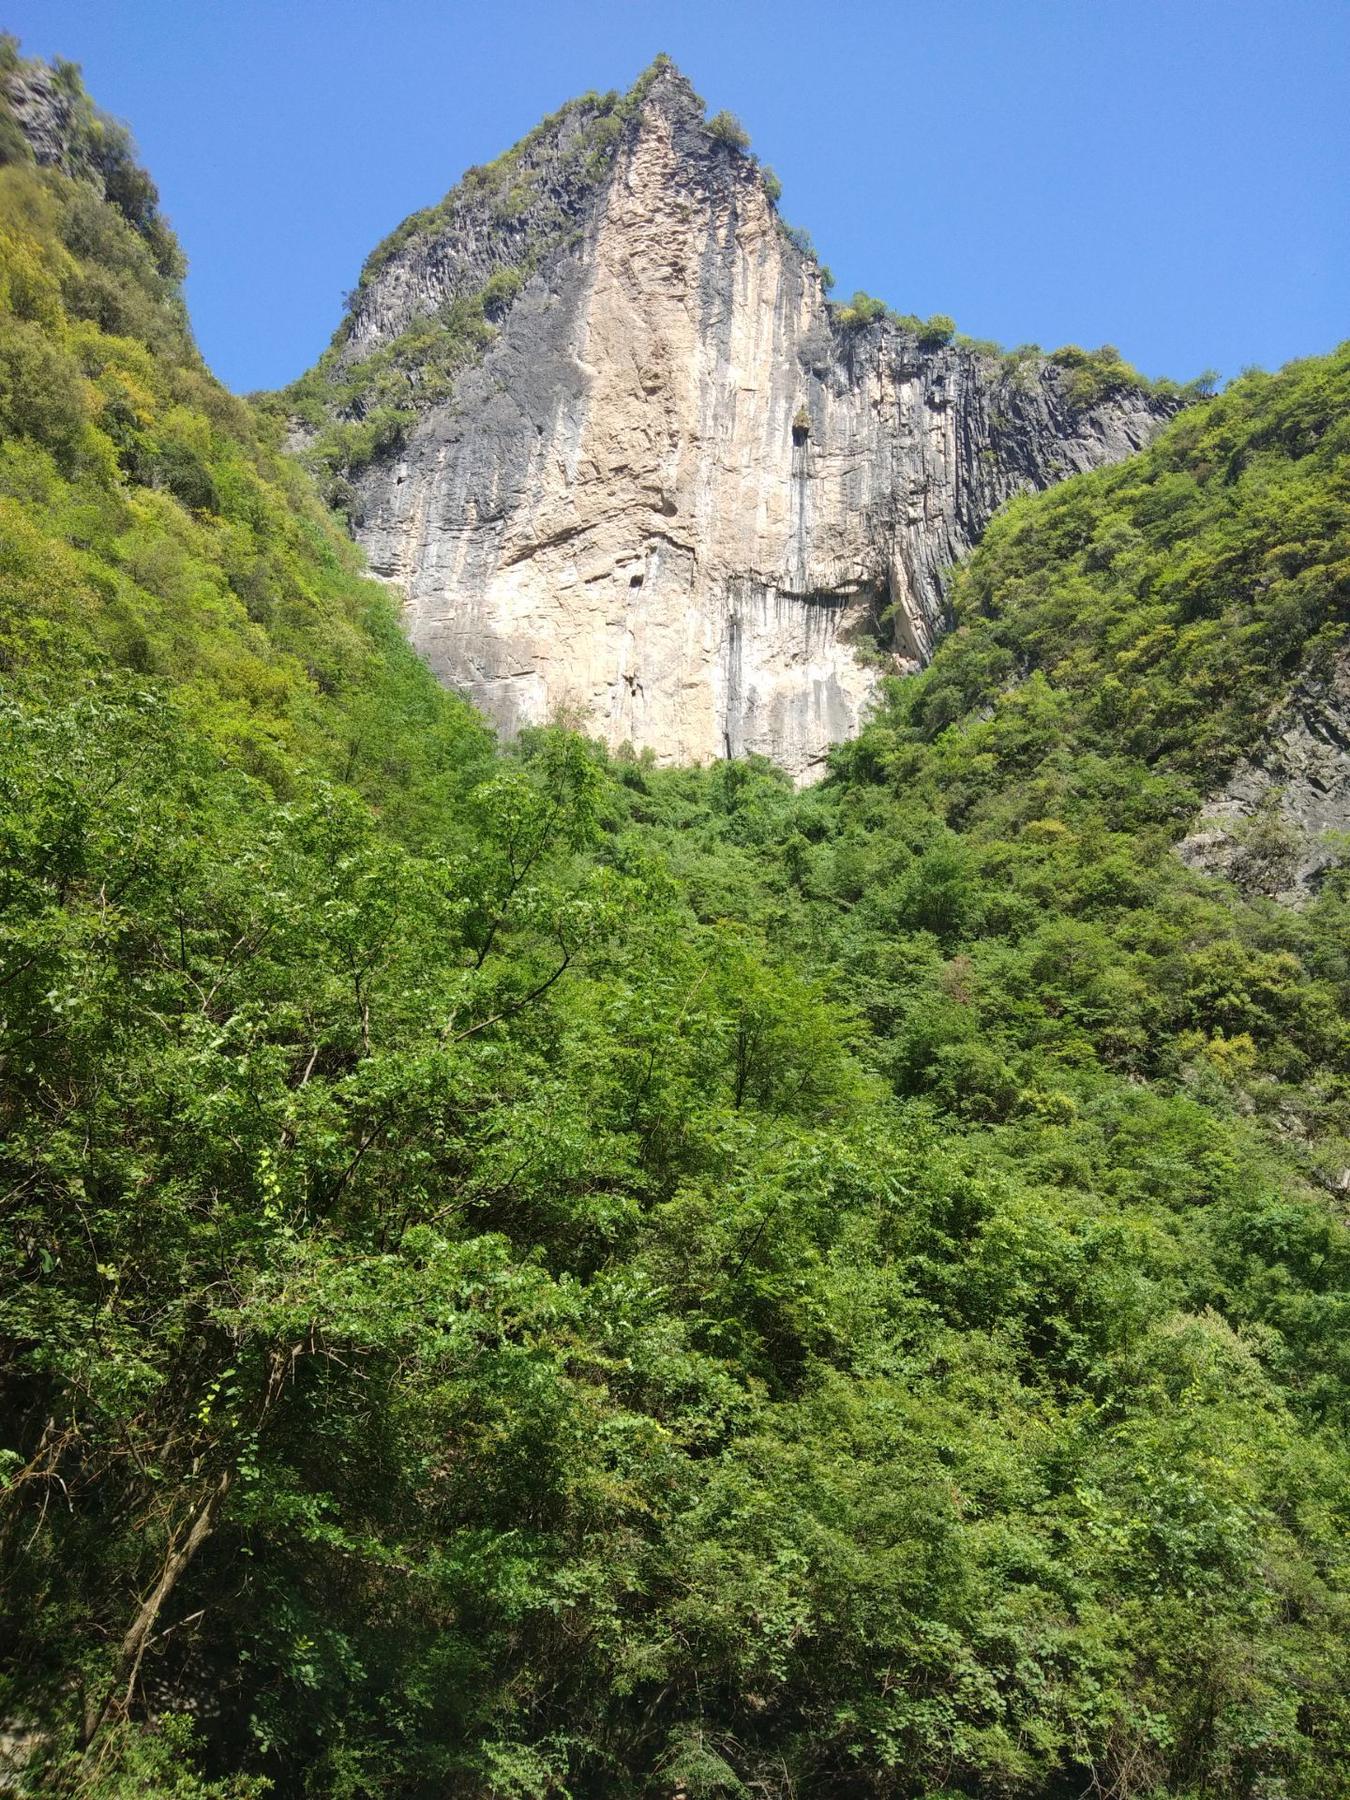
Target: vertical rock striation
x=676, y=499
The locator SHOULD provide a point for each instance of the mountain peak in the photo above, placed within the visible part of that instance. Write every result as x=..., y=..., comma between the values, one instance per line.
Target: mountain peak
x=598, y=393
x=665, y=87
x=596, y=417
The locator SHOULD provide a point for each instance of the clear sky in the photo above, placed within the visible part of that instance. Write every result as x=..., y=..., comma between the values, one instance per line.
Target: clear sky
x=1170, y=176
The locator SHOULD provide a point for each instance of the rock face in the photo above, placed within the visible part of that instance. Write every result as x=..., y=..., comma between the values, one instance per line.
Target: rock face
x=677, y=500
x=1267, y=827
x=44, y=112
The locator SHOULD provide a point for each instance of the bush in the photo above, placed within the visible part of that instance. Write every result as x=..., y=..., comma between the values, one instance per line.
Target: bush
x=937, y=330
x=501, y=290
x=1094, y=374
x=801, y=240
x=725, y=128
x=862, y=310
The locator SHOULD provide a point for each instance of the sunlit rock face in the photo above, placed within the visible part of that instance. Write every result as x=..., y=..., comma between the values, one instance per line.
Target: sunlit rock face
x=675, y=501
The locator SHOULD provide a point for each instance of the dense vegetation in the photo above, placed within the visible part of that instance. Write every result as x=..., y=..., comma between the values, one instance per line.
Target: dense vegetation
x=525, y=1274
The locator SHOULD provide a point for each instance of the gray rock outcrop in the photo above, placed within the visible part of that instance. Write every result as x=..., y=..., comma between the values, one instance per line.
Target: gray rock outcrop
x=678, y=500
x=45, y=112
x=1268, y=825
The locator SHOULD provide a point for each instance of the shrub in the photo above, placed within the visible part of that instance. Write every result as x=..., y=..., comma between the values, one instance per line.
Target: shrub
x=800, y=239
x=937, y=330
x=1093, y=374
x=500, y=290
x=725, y=128
x=862, y=310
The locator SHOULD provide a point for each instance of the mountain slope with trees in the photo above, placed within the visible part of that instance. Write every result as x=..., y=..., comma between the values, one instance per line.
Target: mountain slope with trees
x=526, y=1274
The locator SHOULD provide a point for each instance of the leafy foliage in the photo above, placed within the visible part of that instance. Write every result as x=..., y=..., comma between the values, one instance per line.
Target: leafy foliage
x=725, y=128
x=863, y=310
x=93, y=148
x=525, y=1274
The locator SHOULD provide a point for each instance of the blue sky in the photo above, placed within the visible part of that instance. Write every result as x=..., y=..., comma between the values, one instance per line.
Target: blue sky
x=1171, y=176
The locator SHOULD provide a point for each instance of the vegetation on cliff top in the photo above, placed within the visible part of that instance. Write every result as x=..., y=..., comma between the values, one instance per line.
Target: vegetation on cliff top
x=356, y=408
x=353, y=409
x=524, y=1274
x=1090, y=376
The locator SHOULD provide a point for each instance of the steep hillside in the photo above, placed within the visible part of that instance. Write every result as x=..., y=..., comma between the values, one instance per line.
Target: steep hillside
x=596, y=418
x=148, y=518
x=524, y=1273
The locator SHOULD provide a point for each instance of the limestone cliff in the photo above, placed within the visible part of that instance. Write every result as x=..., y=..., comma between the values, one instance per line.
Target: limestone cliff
x=679, y=496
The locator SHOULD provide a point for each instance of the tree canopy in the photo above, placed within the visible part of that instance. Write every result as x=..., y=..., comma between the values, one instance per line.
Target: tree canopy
x=528, y=1274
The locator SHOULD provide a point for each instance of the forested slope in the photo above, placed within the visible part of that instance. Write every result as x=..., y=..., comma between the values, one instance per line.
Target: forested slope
x=522, y=1274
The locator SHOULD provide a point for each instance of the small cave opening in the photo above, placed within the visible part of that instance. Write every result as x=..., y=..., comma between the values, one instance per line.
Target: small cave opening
x=635, y=581
x=881, y=621
x=801, y=427
x=875, y=628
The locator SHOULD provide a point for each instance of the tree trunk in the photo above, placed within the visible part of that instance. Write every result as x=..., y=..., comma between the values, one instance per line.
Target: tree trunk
x=138, y=1633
